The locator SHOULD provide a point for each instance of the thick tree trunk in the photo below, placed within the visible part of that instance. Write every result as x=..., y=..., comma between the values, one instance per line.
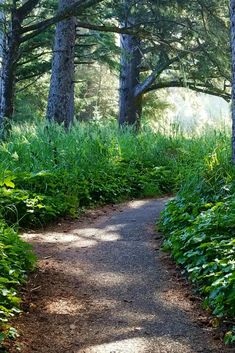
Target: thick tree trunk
x=130, y=105
x=232, y=9
x=61, y=96
x=10, y=56
x=9, y=76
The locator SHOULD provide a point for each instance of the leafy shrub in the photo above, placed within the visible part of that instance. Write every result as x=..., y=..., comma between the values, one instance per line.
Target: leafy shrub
x=199, y=225
x=16, y=259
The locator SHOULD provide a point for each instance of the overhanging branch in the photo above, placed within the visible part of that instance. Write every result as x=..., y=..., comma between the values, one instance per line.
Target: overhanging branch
x=207, y=89
x=162, y=66
x=26, y=8
x=76, y=8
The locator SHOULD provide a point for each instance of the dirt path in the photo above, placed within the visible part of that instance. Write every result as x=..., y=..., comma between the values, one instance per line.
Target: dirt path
x=103, y=286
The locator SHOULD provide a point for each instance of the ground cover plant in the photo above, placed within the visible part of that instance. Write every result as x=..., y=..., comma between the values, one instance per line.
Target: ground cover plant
x=46, y=173
x=199, y=225
x=16, y=260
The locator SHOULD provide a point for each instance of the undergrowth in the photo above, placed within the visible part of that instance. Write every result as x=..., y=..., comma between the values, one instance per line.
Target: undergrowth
x=16, y=259
x=199, y=225
x=46, y=173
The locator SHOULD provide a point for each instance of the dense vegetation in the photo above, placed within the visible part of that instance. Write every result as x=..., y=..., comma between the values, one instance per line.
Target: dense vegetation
x=16, y=259
x=199, y=225
x=46, y=174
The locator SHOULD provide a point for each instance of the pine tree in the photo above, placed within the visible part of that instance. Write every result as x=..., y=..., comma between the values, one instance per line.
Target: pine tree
x=177, y=44
x=61, y=97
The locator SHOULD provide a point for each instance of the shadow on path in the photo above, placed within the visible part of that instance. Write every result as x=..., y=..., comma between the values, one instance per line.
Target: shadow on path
x=103, y=288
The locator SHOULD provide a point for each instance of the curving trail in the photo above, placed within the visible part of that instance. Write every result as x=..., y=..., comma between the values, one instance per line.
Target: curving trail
x=103, y=286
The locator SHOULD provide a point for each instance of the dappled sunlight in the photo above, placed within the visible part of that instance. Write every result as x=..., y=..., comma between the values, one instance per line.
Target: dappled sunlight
x=111, y=279
x=115, y=296
x=108, y=237
x=137, y=345
x=170, y=297
x=137, y=203
x=56, y=264
x=107, y=234
x=77, y=237
x=62, y=238
x=63, y=306
x=31, y=236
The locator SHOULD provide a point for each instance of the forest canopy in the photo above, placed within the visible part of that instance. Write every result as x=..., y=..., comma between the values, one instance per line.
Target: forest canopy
x=163, y=44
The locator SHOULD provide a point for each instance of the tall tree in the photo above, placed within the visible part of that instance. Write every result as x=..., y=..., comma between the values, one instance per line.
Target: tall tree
x=61, y=97
x=21, y=29
x=177, y=44
x=130, y=106
x=170, y=44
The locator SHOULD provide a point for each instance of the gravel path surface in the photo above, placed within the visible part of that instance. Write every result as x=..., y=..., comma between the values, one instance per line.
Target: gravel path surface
x=104, y=286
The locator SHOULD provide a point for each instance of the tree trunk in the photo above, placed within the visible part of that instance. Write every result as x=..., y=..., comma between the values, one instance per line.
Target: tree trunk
x=61, y=96
x=10, y=56
x=232, y=9
x=130, y=104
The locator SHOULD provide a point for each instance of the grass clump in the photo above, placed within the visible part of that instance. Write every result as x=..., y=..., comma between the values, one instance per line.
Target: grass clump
x=200, y=234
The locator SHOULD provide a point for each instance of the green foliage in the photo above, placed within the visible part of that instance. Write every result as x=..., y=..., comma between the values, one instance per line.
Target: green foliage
x=16, y=259
x=46, y=173
x=199, y=225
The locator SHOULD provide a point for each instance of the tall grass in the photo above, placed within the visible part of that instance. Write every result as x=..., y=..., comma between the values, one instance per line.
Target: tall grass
x=46, y=173
x=37, y=147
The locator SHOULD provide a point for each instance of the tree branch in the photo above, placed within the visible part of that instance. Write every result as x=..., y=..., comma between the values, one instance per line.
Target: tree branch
x=91, y=26
x=207, y=89
x=25, y=9
x=143, y=87
x=77, y=8
x=114, y=29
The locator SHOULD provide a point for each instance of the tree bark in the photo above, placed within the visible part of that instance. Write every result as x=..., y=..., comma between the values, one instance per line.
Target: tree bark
x=130, y=105
x=232, y=13
x=10, y=57
x=61, y=96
